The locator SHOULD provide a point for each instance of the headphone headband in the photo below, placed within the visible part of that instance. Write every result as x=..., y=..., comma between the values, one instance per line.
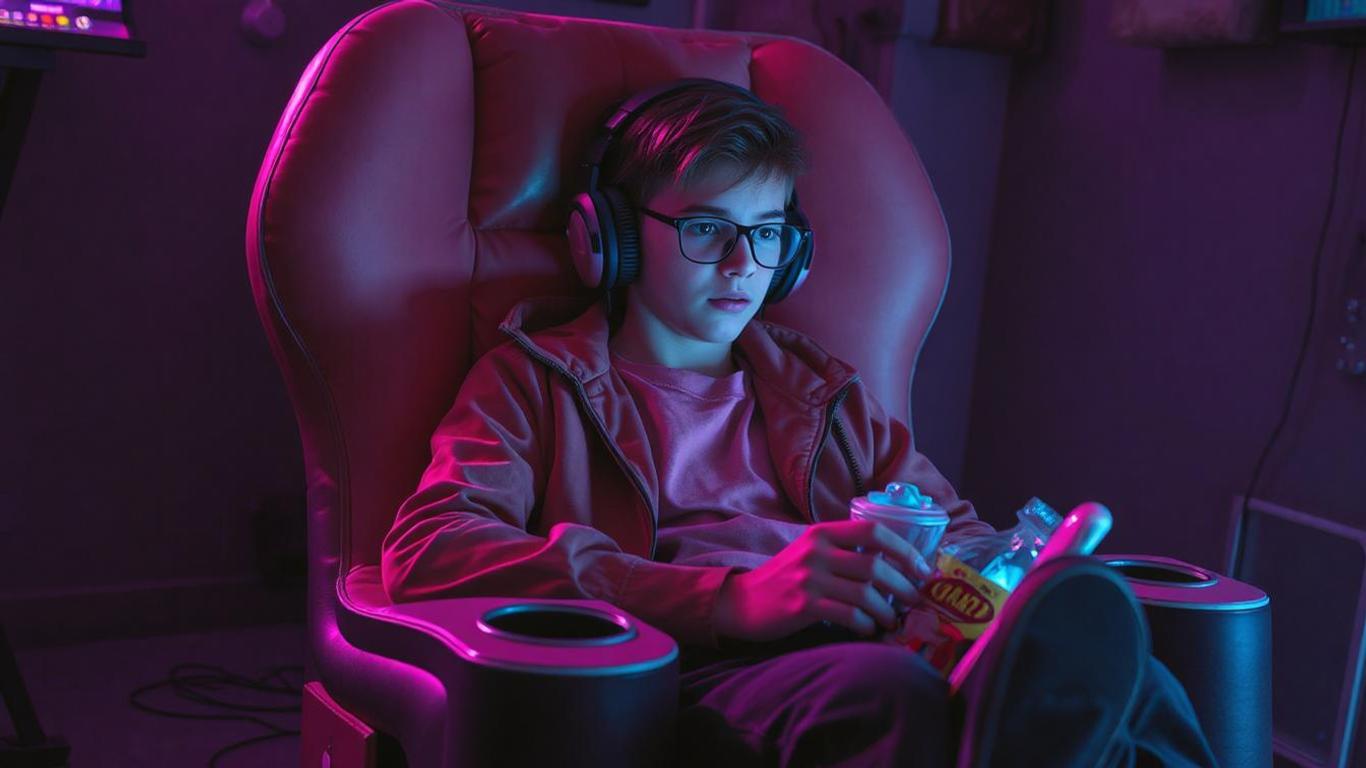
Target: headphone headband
x=604, y=240
x=637, y=103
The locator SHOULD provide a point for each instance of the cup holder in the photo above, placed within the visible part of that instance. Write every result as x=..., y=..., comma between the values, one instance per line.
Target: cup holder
x=559, y=625
x=1164, y=574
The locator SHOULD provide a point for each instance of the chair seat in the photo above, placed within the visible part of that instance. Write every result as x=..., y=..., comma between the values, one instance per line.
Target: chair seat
x=365, y=589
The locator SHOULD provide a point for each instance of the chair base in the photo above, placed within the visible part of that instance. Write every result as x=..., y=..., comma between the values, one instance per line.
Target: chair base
x=332, y=737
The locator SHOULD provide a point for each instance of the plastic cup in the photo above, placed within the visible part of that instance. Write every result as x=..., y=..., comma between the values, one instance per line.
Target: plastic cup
x=923, y=527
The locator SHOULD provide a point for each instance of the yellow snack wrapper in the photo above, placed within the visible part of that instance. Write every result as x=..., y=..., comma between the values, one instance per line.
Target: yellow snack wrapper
x=964, y=599
x=957, y=606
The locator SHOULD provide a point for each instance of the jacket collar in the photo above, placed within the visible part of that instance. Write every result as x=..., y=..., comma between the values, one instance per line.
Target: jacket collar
x=573, y=334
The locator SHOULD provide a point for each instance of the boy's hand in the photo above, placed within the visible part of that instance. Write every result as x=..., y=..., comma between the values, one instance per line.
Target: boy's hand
x=822, y=575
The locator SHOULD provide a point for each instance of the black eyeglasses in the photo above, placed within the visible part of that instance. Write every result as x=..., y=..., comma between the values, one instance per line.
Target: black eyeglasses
x=709, y=239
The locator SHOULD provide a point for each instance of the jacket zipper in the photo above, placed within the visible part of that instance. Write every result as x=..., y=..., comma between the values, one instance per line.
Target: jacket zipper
x=826, y=424
x=602, y=430
x=849, y=458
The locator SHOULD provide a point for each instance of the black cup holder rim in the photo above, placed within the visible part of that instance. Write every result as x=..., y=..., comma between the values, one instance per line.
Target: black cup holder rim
x=1200, y=577
x=628, y=630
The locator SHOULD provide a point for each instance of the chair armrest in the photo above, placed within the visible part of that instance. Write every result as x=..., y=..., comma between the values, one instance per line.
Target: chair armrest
x=531, y=681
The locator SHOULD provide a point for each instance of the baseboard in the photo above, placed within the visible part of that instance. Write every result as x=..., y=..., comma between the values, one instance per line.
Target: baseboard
x=139, y=610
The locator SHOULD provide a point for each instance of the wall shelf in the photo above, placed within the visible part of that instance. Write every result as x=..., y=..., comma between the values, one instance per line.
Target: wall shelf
x=1336, y=31
x=1346, y=32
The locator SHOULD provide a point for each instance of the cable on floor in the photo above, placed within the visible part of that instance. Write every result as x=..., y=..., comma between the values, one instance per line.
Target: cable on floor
x=228, y=696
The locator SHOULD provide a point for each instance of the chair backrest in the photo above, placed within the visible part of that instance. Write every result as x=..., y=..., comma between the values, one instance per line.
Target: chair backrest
x=415, y=189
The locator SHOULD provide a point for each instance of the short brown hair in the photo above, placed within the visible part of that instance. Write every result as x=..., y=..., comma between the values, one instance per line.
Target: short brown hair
x=685, y=135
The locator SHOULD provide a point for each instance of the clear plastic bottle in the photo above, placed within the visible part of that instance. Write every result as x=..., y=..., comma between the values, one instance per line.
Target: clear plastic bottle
x=972, y=579
x=1003, y=558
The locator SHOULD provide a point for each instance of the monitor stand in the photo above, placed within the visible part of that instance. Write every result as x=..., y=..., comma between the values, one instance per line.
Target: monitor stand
x=30, y=747
x=21, y=69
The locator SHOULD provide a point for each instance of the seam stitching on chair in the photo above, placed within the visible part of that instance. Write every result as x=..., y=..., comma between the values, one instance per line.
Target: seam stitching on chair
x=471, y=319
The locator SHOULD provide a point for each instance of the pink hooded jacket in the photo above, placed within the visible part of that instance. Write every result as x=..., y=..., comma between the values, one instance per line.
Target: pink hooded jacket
x=542, y=483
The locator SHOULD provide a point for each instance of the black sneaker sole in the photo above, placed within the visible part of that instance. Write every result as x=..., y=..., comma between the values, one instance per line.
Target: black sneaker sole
x=1061, y=673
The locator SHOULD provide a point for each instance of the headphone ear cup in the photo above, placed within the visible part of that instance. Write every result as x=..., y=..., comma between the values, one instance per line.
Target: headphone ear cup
x=627, y=238
x=790, y=278
x=592, y=241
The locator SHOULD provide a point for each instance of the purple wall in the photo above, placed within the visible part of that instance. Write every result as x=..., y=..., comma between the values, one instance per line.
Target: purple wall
x=147, y=417
x=952, y=104
x=1155, y=226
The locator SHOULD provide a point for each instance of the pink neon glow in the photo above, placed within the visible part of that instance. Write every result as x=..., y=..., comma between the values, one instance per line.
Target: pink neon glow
x=476, y=440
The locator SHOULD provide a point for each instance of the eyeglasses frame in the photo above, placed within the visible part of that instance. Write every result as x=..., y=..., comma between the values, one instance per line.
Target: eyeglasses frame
x=744, y=231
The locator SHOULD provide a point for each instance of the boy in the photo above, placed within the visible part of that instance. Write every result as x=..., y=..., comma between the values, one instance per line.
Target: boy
x=670, y=458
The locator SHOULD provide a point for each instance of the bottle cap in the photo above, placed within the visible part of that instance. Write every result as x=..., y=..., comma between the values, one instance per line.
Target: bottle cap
x=1039, y=510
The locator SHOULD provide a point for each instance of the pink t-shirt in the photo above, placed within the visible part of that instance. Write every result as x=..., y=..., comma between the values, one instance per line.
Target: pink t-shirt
x=720, y=502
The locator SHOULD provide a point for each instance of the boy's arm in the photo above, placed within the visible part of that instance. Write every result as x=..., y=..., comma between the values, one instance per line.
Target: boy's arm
x=464, y=532
x=896, y=460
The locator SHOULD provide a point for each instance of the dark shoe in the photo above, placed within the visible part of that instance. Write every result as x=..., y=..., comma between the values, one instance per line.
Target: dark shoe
x=1059, y=674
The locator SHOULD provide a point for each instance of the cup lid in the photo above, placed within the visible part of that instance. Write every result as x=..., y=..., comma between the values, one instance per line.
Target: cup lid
x=902, y=495
x=933, y=515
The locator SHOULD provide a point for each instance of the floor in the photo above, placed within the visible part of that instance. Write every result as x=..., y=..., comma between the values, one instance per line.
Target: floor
x=82, y=692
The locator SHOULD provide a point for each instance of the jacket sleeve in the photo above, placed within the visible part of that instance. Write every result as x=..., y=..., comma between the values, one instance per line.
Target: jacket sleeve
x=896, y=460
x=464, y=532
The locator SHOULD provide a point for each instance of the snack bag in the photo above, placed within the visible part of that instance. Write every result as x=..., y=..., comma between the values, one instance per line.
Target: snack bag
x=972, y=579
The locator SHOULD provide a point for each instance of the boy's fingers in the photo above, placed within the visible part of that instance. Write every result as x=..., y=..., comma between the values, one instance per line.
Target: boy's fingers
x=890, y=542
x=867, y=535
x=896, y=547
x=922, y=568
x=875, y=569
x=864, y=596
x=888, y=579
x=845, y=615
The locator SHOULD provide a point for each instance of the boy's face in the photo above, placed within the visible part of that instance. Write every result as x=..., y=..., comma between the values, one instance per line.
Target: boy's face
x=676, y=296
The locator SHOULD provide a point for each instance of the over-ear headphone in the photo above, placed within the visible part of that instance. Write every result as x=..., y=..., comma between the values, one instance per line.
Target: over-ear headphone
x=603, y=233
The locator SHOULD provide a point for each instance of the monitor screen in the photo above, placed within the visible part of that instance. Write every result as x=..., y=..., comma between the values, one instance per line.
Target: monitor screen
x=98, y=25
